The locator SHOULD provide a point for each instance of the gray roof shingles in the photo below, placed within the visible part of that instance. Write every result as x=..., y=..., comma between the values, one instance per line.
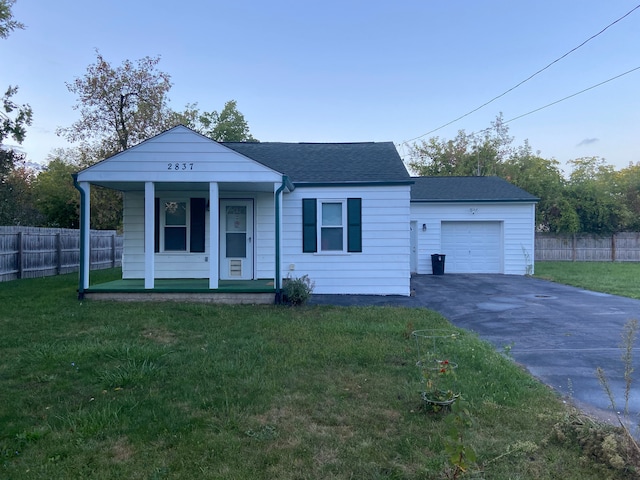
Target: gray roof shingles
x=467, y=189
x=328, y=162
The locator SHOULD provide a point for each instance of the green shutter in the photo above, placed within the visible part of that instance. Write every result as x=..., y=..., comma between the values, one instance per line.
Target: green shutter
x=354, y=224
x=309, y=221
x=156, y=225
x=197, y=223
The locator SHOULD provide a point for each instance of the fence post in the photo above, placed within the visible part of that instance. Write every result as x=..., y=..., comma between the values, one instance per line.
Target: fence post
x=58, y=253
x=20, y=255
x=113, y=250
x=574, y=247
x=613, y=247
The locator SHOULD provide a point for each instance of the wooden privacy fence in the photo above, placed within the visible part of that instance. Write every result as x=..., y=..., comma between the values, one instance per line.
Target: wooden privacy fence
x=619, y=247
x=28, y=252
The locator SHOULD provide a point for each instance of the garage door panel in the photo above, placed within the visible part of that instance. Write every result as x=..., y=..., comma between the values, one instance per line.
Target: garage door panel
x=472, y=247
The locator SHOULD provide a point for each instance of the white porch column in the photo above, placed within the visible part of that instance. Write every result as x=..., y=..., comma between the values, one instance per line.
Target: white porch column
x=214, y=238
x=149, y=234
x=85, y=225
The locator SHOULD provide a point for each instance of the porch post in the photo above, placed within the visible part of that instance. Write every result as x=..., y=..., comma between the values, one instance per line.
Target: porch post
x=214, y=238
x=149, y=234
x=85, y=236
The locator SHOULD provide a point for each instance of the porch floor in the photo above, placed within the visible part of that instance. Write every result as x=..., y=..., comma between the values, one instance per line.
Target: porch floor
x=183, y=285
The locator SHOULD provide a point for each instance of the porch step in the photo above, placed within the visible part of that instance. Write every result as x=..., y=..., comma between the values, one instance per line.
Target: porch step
x=226, y=298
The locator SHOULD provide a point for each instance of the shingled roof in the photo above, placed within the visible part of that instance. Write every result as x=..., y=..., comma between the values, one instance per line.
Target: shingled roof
x=467, y=189
x=328, y=162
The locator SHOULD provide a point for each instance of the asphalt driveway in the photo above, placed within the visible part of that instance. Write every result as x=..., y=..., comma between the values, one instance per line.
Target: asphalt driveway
x=560, y=334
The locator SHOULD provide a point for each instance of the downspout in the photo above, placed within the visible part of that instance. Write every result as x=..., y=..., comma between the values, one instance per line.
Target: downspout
x=285, y=180
x=82, y=236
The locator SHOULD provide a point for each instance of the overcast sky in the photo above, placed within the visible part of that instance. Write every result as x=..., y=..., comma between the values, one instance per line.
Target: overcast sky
x=346, y=71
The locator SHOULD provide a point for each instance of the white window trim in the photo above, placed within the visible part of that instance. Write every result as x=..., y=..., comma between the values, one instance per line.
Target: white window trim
x=163, y=220
x=343, y=202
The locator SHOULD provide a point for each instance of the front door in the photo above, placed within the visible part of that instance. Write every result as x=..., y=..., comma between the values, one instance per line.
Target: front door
x=236, y=239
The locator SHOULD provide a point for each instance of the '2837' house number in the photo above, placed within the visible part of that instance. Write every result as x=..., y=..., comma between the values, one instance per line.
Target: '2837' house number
x=179, y=166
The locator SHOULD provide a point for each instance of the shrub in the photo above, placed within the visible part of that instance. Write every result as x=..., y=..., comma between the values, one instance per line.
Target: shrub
x=298, y=290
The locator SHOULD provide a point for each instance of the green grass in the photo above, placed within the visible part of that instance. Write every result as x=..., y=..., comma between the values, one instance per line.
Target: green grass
x=172, y=390
x=608, y=277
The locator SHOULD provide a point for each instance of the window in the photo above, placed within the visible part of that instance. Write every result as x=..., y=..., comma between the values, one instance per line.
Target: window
x=180, y=225
x=332, y=229
x=175, y=226
x=335, y=225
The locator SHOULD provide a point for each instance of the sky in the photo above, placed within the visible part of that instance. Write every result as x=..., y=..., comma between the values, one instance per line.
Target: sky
x=351, y=70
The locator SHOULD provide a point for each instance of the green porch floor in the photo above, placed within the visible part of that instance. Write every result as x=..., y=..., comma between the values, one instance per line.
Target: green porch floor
x=191, y=285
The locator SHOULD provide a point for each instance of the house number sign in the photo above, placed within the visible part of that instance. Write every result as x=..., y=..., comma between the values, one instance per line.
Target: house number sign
x=179, y=166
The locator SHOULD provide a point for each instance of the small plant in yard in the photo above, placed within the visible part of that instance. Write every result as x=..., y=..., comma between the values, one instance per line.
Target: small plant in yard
x=298, y=290
x=439, y=382
x=460, y=455
x=628, y=339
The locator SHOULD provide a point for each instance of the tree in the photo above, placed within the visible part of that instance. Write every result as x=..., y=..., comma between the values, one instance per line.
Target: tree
x=466, y=155
x=542, y=177
x=7, y=23
x=227, y=126
x=55, y=195
x=597, y=197
x=629, y=182
x=17, y=204
x=119, y=107
x=58, y=200
x=14, y=119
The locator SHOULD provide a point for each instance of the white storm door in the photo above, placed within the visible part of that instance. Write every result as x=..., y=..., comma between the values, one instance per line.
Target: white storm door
x=236, y=239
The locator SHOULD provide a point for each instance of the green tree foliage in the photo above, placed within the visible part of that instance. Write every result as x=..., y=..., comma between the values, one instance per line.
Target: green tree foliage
x=14, y=118
x=543, y=178
x=55, y=195
x=629, y=184
x=119, y=106
x=17, y=204
x=227, y=126
x=58, y=200
x=466, y=155
x=7, y=23
x=596, y=195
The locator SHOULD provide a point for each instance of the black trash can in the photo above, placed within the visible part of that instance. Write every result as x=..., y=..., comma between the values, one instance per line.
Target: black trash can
x=437, y=264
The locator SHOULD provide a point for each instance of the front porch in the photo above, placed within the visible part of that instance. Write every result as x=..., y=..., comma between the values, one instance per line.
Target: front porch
x=187, y=290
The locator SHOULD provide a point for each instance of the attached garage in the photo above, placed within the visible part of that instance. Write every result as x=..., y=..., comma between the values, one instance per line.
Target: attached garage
x=472, y=247
x=481, y=224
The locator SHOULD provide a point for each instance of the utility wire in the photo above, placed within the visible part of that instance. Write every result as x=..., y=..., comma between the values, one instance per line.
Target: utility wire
x=573, y=95
x=529, y=78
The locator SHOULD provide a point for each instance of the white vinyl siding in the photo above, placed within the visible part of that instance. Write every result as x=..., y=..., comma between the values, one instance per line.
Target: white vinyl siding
x=383, y=265
x=517, y=222
x=194, y=265
x=155, y=161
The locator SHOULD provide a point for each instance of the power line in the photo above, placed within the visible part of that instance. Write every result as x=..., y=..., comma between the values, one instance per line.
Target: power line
x=573, y=95
x=530, y=77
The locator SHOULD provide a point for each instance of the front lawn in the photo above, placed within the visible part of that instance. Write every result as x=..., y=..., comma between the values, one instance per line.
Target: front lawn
x=616, y=278
x=172, y=390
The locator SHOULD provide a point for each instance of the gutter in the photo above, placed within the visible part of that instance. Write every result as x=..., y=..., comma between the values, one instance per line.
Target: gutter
x=285, y=183
x=82, y=235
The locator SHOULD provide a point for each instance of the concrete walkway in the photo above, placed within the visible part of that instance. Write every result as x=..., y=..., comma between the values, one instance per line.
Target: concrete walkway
x=560, y=334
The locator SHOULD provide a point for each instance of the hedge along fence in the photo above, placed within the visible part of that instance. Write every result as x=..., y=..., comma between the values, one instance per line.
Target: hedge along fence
x=29, y=252
x=619, y=247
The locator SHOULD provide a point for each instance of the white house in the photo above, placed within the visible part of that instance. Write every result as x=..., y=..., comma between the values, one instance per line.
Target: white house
x=213, y=219
x=231, y=213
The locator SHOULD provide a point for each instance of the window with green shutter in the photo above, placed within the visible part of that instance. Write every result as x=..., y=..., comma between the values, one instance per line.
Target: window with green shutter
x=331, y=225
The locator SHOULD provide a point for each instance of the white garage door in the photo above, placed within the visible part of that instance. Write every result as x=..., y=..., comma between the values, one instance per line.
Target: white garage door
x=472, y=247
